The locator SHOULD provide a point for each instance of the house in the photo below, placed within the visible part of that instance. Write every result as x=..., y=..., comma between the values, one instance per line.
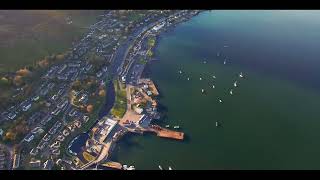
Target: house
x=1, y=132
x=123, y=79
x=34, y=151
x=36, y=98
x=138, y=110
x=26, y=107
x=85, y=119
x=99, y=74
x=149, y=93
x=29, y=138
x=48, y=164
x=35, y=163
x=12, y=115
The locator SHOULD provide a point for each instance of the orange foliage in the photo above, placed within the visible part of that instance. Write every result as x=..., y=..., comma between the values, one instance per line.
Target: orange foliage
x=90, y=108
x=43, y=63
x=18, y=80
x=23, y=72
x=102, y=93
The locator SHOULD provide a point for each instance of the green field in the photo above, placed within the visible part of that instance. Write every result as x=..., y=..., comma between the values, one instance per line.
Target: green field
x=120, y=105
x=27, y=36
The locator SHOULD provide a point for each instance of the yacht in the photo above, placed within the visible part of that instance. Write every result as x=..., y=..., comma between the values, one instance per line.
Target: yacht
x=235, y=84
x=167, y=125
x=220, y=101
x=217, y=123
x=218, y=54
x=160, y=167
x=213, y=77
x=170, y=168
x=188, y=79
x=176, y=127
x=202, y=90
x=231, y=92
x=225, y=61
x=180, y=72
x=213, y=86
x=204, y=62
x=241, y=75
x=131, y=168
x=200, y=79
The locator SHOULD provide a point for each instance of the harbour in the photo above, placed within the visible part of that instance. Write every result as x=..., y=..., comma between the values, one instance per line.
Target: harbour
x=270, y=119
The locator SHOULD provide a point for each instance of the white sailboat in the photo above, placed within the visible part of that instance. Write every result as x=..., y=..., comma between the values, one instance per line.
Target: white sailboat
x=225, y=61
x=160, y=167
x=213, y=86
x=170, y=168
x=176, y=127
x=231, y=92
x=220, y=101
x=241, y=75
x=235, y=84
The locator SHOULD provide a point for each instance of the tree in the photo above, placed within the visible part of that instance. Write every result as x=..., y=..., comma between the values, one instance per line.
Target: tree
x=90, y=108
x=102, y=93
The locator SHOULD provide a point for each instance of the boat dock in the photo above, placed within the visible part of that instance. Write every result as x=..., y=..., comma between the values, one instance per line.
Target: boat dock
x=113, y=165
x=166, y=133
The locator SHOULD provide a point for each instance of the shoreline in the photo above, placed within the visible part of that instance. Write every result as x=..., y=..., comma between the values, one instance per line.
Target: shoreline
x=154, y=128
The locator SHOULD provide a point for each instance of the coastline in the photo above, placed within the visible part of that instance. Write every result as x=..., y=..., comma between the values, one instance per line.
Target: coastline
x=161, y=132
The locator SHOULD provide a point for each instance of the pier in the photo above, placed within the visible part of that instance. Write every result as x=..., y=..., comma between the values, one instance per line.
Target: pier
x=166, y=133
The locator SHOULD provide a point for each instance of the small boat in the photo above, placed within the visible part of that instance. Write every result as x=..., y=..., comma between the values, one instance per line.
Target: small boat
x=213, y=86
x=235, y=84
x=241, y=75
x=225, y=46
x=231, y=92
x=213, y=77
x=217, y=123
x=125, y=167
x=160, y=167
x=225, y=61
x=167, y=125
x=188, y=79
x=200, y=79
x=176, y=127
x=218, y=54
x=170, y=168
x=180, y=72
x=131, y=168
x=202, y=90
x=204, y=62
x=220, y=101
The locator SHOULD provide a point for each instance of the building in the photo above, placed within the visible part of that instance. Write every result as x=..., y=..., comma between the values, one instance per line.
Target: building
x=35, y=163
x=26, y=107
x=16, y=161
x=29, y=138
x=1, y=132
x=149, y=93
x=48, y=165
x=138, y=110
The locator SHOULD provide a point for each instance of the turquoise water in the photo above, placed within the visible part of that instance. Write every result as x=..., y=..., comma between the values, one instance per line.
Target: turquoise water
x=270, y=122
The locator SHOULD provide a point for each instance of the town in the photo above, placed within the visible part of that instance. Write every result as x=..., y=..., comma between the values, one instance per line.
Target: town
x=75, y=95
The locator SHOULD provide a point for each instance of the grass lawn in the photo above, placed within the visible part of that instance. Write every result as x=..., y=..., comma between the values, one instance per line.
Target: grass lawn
x=28, y=36
x=120, y=105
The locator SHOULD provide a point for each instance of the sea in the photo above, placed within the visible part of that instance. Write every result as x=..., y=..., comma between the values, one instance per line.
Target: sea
x=270, y=121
